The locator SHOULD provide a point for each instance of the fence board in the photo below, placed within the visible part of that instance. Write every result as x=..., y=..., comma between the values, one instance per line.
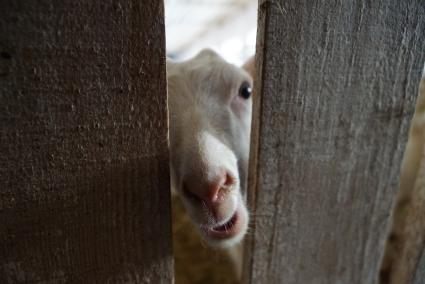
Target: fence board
x=420, y=269
x=337, y=82
x=84, y=187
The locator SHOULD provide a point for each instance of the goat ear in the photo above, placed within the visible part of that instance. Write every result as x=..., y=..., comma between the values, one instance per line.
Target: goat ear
x=249, y=66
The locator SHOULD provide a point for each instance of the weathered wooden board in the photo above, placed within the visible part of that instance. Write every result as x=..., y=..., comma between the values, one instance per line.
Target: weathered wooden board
x=336, y=84
x=84, y=187
x=419, y=277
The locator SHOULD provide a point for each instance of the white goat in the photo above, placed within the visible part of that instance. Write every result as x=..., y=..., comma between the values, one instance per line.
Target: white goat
x=210, y=118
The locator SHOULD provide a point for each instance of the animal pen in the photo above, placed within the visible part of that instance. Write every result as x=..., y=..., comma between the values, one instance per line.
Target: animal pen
x=84, y=169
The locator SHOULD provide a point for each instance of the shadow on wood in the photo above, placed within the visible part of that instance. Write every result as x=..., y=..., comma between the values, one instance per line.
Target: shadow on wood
x=83, y=139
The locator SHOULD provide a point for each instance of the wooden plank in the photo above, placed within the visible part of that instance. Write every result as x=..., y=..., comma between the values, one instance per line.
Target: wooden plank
x=83, y=143
x=336, y=85
x=419, y=276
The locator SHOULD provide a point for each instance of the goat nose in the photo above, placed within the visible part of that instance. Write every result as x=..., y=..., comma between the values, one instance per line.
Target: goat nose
x=208, y=191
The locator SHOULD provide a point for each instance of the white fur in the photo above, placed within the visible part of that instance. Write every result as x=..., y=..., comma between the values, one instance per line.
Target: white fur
x=209, y=132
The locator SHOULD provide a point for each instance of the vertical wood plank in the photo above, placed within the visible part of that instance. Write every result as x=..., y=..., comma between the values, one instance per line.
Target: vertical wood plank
x=84, y=187
x=419, y=276
x=336, y=85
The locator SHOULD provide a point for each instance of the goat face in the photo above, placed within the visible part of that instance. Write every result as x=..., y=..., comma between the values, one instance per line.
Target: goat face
x=210, y=119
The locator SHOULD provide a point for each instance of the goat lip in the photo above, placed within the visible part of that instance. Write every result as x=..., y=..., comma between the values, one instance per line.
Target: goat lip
x=227, y=230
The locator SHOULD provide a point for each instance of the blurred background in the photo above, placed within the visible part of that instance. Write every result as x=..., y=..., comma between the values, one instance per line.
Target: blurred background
x=227, y=26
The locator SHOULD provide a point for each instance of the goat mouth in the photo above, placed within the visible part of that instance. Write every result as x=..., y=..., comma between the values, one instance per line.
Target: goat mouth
x=227, y=230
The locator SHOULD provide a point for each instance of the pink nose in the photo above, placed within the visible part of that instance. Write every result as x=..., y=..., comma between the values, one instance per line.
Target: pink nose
x=208, y=191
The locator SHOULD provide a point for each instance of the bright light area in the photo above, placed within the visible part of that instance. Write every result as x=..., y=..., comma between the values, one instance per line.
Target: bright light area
x=227, y=26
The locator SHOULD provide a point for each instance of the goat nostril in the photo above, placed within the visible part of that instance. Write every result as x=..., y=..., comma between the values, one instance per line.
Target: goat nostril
x=229, y=180
x=208, y=192
x=220, y=187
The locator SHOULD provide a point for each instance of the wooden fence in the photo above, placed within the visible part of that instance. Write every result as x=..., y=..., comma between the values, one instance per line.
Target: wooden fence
x=84, y=155
x=337, y=83
x=84, y=178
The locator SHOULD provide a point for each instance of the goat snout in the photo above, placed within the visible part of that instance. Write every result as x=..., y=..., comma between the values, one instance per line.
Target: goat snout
x=215, y=193
x=209, y=191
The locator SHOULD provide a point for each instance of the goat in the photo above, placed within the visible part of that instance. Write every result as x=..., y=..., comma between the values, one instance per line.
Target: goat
x=210, y=119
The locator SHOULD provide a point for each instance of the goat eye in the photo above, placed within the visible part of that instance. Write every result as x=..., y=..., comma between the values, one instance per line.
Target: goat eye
x=245, y=90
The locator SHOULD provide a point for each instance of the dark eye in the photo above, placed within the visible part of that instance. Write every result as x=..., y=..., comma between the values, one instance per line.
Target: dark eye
x=245, y=90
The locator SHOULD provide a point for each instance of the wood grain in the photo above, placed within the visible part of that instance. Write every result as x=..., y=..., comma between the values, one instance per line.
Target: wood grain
x=419, y=276
x=84, y=187
x=336, y=84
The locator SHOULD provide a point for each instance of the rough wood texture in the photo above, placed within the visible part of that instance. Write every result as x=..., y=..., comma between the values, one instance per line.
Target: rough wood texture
x=419, y=277
x=84, y=187
x=337, y=82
